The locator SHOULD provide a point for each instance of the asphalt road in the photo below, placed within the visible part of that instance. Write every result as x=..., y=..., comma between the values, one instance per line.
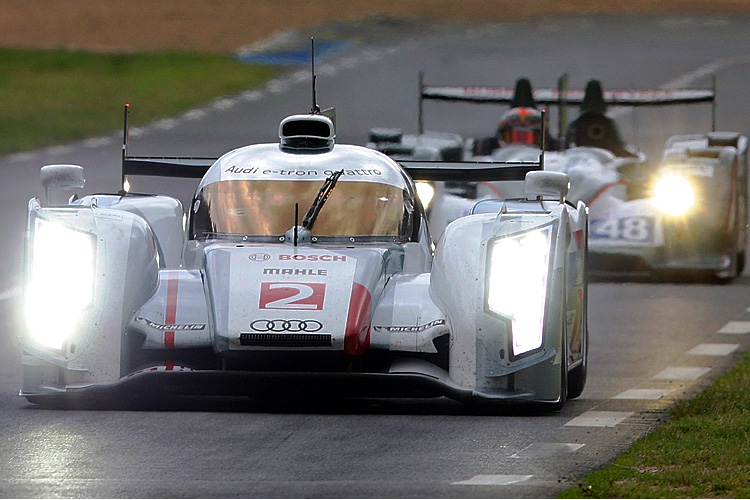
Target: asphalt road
x=651, y=343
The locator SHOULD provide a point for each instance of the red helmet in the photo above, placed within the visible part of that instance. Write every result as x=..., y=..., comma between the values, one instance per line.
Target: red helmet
x=521, y=126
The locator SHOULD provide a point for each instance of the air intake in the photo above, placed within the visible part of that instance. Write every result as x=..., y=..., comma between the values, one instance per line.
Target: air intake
x=286, y=339
x=723, y=139
x=713, y=152
x=307, y=133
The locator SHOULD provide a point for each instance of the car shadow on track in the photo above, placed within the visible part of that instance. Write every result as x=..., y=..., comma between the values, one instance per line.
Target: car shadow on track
x=299, y=404
x=668, y=277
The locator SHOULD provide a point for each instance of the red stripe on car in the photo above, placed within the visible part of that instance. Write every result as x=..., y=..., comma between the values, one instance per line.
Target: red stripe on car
x=357, y=336
x=604, y=189
x=579, y=238
x=173, y=281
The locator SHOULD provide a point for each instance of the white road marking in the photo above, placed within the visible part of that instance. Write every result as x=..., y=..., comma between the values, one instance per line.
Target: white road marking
x=713, y=349
x=59, y=150
x=652, y=394
x=194, y=114
x=736, y=328
x=599, y=419
x=252, y=95
x=543, y=450
x=223, y=103
x=96, y=142
x=493, y=480
x=372, y=55
x=19, y=157
x=301, y=76
x=681, y=373
x=166, y=124
x=687, y=79
x=277, y=86
x=349, y=62
x=136, y=132
x=705, y=70
x=327, y=70
x=682, y=22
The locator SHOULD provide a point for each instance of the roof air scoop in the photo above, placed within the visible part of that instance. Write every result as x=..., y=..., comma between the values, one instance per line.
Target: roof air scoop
x=313, y=133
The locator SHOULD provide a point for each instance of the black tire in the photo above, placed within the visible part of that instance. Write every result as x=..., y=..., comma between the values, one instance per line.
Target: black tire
x=577, y=376
x=577, y=379
x=558, y=405
x=740, y=262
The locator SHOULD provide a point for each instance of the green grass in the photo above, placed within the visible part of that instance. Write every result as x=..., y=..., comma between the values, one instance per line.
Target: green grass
x=54, y=96
x=703, y=451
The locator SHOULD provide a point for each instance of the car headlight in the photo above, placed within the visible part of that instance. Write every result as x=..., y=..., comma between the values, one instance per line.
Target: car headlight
x=425, y=192
x=674, y=195
x=517, y=284
x=60, y=281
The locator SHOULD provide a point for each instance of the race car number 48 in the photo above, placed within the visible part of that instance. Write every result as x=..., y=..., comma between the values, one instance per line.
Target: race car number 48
x=626, y=229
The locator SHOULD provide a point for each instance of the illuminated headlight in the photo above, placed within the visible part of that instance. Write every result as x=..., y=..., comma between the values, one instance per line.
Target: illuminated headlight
x=674, y=195
x=517, y=285
x=60, y=281
x=425, y=192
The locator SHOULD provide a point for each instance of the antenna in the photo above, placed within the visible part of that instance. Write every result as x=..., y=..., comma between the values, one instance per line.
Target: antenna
x=544, y=138
x=420, y=124
x=125, y=141
x=713, y=103
x=296, y=223
x=315, y=109
x=562, y=107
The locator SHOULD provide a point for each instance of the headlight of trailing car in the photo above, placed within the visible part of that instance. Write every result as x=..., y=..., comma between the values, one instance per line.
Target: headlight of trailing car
x=517, y=284
x=674, y=195
x=60, y=281
x=425, y=192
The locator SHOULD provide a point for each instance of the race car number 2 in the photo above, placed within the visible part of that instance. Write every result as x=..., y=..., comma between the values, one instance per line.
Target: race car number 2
x=627, y=229
x=293, y=296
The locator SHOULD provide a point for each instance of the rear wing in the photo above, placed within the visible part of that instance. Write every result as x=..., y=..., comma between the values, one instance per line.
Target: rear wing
x=195, y=167
x=562, y=96
x=188, y=167
x=502, y=95
x=537, y=182
x=469, y=171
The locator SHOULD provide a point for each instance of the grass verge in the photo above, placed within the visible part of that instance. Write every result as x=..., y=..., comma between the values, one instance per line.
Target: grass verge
x=55, y=96
x=703, y=451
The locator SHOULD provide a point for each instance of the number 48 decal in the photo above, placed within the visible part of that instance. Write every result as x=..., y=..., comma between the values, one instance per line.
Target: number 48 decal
x=294, y=296
x=636, y=229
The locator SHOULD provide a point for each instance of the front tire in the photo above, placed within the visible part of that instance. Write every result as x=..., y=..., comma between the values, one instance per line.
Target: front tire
x=577, y=379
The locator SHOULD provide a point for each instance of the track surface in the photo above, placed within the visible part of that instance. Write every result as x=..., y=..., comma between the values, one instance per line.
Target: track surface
x=643, y=335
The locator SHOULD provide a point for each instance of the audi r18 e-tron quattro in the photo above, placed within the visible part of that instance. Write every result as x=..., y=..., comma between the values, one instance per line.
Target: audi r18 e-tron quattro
x=306, y=266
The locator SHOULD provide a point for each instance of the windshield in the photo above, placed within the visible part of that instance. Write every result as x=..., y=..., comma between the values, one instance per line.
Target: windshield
x=266, y=207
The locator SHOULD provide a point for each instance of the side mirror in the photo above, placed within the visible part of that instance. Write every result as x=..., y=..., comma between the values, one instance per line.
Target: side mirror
x=57, y=179
x=545, y=183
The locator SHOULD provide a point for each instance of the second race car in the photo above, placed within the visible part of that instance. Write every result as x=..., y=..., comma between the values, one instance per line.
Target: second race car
x=686, y=213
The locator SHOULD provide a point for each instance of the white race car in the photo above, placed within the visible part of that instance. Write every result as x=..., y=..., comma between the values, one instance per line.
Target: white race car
x=304, y=266
x=686, y=213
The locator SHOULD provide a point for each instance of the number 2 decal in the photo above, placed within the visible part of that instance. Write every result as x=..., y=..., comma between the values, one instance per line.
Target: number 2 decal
x=294, y=296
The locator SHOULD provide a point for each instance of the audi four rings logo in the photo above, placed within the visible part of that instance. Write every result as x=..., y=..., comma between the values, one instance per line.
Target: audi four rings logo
x=286, y=325
x=259, y=257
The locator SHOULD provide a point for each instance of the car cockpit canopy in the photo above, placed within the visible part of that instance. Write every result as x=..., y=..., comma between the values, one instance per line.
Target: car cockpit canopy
x=252, y=192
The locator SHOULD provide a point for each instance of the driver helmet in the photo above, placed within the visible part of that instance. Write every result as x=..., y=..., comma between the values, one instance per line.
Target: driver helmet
x=520, y=126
